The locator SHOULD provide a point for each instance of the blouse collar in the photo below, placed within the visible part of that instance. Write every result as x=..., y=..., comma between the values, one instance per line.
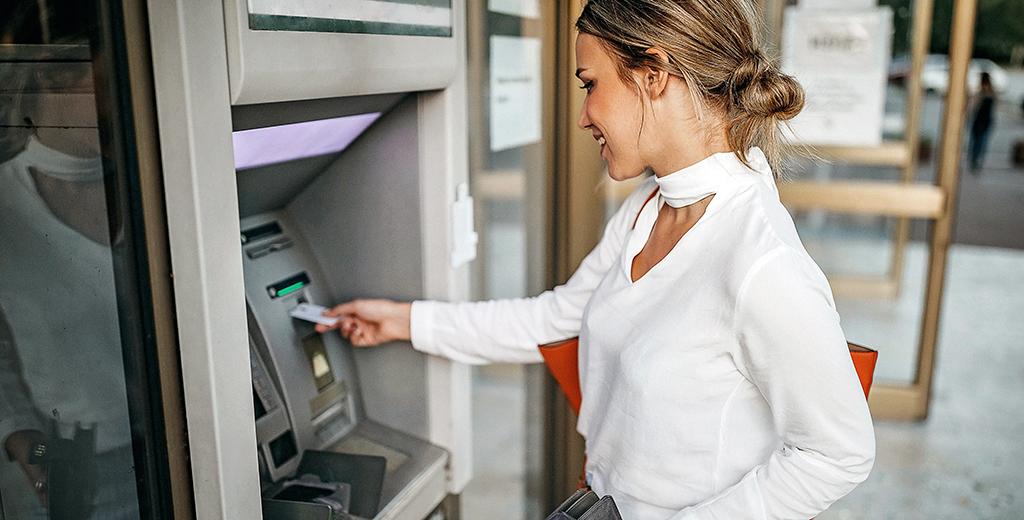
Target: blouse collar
x=710, y=176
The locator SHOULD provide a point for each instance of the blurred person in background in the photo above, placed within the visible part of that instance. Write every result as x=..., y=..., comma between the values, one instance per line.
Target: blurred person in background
x=981, y=122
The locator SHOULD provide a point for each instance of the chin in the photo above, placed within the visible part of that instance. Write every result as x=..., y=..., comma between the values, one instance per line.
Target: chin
x=623, y=174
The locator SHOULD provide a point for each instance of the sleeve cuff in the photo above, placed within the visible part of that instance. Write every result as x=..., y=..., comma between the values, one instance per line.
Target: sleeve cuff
x=421, y=327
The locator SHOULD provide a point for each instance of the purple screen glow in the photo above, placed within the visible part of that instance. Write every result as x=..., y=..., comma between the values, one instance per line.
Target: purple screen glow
x=277, y=144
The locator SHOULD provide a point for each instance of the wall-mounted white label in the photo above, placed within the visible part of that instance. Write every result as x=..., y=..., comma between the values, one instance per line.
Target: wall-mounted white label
x=841, y=58
x=464, y=238
x=515, y=92
x=523, y=8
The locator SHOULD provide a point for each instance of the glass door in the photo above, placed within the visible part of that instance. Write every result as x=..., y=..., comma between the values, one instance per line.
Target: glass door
x=511, y=93
x=879, y=219
x=82, y=412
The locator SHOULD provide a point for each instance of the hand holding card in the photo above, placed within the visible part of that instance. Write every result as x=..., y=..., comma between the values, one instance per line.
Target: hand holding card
x=313, y=313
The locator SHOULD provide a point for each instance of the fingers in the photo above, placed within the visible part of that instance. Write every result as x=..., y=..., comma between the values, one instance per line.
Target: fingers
x=321, y=328
x=361, y=322
x=360, y=333
x=348, y=325
x=343, y=309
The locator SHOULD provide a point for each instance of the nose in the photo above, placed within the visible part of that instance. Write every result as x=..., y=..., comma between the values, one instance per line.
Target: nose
x=584, y=121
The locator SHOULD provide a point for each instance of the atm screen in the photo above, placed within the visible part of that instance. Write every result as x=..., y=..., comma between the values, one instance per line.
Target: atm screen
x=318, y=363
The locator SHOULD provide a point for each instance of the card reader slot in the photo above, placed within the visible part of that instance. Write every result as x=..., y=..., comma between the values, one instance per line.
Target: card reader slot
x=288, y=286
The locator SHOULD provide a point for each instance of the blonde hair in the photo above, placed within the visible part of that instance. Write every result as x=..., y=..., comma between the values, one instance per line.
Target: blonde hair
x=713, y=46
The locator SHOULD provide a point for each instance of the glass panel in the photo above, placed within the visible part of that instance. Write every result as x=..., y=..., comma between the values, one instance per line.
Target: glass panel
x=71, y=320
x=510, y=144
x=856, y=253
x=878, y=282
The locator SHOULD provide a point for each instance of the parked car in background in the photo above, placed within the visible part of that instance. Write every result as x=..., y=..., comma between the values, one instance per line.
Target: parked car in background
x=935, y=76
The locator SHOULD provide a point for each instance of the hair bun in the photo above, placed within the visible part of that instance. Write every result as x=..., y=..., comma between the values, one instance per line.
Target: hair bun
x=758, y=88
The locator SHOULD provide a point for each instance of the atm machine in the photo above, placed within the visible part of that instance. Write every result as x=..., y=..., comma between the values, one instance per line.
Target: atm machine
x=334, y=169
x=326, y=207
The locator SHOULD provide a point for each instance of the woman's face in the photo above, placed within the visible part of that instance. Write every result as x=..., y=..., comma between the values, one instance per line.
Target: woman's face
x=611, y=111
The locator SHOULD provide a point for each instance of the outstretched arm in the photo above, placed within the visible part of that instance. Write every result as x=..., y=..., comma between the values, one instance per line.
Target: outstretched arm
x=509, y=330
x=506, y=330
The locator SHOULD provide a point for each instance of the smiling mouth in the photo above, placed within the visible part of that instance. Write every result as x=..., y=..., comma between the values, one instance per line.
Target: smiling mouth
x=601, y=141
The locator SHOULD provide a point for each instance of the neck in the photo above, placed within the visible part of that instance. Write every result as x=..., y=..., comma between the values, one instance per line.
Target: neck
x=686, y=148
x=686, y=213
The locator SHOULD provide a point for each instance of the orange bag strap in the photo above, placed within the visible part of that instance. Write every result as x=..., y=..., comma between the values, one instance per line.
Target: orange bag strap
x=642, y=206
x=864, y=361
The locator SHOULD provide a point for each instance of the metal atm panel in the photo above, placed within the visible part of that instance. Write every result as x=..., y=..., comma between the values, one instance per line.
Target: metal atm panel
x=312, y=372
x=198, y=49
x=309, y=400
x=272, y=42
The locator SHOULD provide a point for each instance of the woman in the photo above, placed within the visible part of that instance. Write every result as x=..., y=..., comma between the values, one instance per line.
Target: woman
x=716, y=379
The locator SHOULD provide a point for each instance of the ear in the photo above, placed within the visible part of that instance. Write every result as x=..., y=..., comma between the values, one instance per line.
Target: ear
x=655, y=80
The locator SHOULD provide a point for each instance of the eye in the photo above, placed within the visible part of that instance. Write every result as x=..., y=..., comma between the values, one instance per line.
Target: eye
x=588, y=86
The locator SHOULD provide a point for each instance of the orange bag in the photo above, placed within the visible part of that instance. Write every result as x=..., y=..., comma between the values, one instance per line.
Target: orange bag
x=562, y=360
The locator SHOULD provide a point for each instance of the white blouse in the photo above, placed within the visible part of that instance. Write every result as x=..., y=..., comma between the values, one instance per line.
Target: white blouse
x=719, y=384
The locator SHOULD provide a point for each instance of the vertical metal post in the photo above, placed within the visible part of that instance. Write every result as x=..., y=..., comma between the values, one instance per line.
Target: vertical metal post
x=147, y=151
x=577, y=216
x=961, y=44
x=920, y=38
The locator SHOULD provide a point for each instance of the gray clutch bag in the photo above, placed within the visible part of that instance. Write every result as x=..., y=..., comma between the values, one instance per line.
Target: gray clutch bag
x=586, y=505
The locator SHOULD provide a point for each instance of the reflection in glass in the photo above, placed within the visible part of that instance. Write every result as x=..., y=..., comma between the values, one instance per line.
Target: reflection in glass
x=63, y=400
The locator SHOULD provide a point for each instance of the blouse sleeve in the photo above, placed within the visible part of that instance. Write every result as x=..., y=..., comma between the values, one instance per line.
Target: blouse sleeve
x=790, y=345
x=509, y=330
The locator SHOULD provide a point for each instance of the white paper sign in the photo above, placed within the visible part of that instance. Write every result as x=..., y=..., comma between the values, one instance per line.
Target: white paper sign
x=841, y=58
x=523, y=8
x=515, y=91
